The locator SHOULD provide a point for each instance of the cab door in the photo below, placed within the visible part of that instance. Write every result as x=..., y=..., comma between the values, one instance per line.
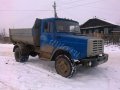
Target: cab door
x=47, y=36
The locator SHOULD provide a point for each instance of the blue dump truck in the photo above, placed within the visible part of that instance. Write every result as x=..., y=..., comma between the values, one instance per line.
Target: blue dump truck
x=59, y=40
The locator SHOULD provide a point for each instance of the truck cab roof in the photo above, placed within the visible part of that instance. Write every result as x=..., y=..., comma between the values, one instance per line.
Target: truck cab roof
x=63, y=19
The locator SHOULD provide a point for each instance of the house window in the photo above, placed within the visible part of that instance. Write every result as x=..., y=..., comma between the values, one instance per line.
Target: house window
x=96, y=30
x=84, y=31
x=101, y=32
x=105, y=30
x=90, y=31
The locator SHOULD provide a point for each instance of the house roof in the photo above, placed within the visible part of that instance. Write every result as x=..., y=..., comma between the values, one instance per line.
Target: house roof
x=95, y=23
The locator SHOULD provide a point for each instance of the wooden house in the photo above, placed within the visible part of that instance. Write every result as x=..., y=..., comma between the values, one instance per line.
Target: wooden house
x=97, y=27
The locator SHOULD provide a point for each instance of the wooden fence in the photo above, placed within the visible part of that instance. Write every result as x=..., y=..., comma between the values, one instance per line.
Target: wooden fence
x=111, y=39
x=108, y=38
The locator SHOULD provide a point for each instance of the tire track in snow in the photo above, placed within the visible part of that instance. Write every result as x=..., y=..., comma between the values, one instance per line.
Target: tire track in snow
x=8, y=87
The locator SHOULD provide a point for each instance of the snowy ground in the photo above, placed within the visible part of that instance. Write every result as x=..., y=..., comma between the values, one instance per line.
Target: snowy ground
x=40, y=75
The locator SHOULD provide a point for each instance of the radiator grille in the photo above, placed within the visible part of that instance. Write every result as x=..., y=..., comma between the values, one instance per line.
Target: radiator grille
x=95, y=47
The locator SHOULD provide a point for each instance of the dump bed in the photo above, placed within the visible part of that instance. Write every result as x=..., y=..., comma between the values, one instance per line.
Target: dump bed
x=27, y=35
x=22, y=35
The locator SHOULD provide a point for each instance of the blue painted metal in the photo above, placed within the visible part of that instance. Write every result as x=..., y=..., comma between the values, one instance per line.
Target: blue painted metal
x=76, y=45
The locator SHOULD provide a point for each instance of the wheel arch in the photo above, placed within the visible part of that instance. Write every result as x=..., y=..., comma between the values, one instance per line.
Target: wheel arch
x=59, y=52
x=16, y=46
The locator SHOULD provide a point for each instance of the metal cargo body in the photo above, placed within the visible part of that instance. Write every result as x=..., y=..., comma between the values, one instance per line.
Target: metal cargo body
x=22, y=35
x=27, y=35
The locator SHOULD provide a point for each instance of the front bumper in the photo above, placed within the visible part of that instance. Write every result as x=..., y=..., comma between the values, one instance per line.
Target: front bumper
x=98, y=59
x=102, y=59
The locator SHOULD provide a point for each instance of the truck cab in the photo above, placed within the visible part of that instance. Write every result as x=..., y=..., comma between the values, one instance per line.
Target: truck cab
x=59, y=40
x=58, y=34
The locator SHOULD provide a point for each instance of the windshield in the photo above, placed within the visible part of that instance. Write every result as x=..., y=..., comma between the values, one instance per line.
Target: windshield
x=67, y=26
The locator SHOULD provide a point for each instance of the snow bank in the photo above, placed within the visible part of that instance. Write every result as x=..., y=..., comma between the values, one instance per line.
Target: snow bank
x=41, y=75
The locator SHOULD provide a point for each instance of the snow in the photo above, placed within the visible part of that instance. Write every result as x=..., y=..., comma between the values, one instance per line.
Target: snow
x=40, y=75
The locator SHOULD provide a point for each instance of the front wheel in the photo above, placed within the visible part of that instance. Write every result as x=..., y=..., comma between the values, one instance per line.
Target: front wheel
x=20, y=56
x=64, y=66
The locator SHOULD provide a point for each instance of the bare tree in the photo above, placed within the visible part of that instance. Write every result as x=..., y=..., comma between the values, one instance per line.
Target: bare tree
x=2, y=34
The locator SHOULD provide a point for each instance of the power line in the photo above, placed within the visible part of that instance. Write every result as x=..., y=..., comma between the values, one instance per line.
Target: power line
x=103, y=9
x=81, y=5
x=50, y=10
x=23, y=10
x=72, y=2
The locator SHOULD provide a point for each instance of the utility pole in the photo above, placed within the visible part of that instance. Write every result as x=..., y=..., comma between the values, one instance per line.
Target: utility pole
x=55, y=12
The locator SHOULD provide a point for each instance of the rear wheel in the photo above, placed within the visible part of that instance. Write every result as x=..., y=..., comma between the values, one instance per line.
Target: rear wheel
x=20, y=56
x=33, y=54
x=64, y=66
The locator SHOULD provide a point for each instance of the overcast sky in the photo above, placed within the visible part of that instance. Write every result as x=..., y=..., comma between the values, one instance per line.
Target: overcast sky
x=22, y=13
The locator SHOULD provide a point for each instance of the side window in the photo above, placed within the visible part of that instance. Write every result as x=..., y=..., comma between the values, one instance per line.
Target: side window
x=48, y=26
x=105, y=30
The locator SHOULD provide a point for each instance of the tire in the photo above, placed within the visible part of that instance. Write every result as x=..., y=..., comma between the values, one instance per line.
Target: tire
x=19, y=56
x=94, y=63
x=33, y=54
x=64, y=66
